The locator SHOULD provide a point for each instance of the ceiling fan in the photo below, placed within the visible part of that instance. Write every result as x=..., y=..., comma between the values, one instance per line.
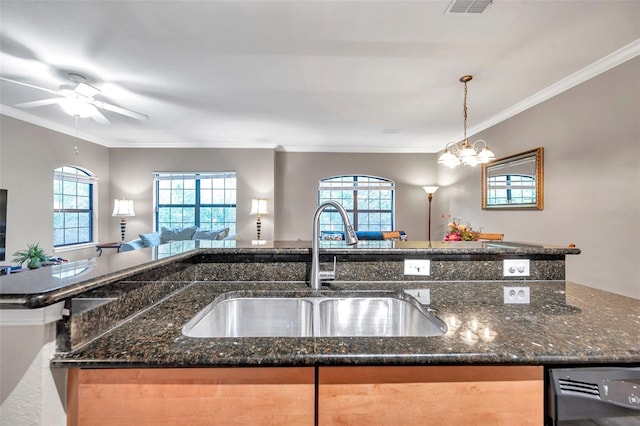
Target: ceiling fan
x=78, y=100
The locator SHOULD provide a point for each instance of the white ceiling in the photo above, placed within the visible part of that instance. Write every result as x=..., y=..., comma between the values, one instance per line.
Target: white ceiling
x=304, y=75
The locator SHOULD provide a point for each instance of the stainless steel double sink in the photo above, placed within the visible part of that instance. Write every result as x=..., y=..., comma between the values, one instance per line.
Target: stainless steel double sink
x=380, y=314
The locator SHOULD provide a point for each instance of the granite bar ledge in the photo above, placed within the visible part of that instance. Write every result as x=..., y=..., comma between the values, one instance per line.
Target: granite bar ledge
x=45, y=286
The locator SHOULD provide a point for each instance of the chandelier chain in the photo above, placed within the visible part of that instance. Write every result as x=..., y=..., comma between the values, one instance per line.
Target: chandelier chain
x=466, y=153
x=465, y=111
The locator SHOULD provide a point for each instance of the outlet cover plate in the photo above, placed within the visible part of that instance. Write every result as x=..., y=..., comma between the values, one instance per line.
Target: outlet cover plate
x=516, y=295
x=420, y=267
x=515, y=267
x=422, y=295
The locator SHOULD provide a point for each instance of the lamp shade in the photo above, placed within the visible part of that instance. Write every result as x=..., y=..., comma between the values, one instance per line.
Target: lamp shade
x=258, y=207
x=430, y=189
x=123, y=208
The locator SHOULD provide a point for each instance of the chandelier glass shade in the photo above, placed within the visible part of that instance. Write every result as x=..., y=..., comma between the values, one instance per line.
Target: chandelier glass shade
x=464, y=152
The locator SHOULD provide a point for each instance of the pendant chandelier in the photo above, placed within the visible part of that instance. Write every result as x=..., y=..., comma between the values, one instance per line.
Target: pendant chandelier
x=464, y=152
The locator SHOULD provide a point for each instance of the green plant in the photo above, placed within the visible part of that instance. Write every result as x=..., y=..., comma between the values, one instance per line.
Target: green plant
x=34, y=255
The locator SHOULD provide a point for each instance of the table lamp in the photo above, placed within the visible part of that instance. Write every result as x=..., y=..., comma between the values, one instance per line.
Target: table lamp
x=123, y=208
x=258, y=208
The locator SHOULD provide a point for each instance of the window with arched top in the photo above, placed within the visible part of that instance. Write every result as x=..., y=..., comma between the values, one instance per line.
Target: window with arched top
x=73, y=192
x=369, y=201
x=511, y=189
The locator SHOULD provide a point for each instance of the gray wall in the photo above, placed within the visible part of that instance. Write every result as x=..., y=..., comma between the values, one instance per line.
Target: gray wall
x=591, y=140
x=132, y=177
x=297, y=176
x=592, y=181
x=29, y=154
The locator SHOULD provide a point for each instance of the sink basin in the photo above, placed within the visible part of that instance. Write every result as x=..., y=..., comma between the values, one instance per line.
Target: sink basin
x=376, y=316
x=397, y=315
x=253, y=317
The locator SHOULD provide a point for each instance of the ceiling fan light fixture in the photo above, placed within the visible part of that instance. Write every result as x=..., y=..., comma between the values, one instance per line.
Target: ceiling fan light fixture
x=77, y=107
x=77, y=100
x=466, y=153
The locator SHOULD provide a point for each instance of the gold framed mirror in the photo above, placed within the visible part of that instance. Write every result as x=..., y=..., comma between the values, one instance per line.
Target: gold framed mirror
x=514, y=182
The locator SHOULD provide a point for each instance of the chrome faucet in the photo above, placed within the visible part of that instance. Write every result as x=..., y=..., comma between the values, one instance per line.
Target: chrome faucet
x=315, y=281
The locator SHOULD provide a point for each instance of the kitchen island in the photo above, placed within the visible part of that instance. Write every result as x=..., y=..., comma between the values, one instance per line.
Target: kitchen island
x=491, y=352
x=565, y=323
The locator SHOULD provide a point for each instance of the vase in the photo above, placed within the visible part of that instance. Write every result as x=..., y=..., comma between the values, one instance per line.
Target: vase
x=34, y=264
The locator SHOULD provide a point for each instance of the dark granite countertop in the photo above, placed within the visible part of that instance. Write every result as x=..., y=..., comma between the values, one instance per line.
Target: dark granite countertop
x=565, y=323
x=45, y=286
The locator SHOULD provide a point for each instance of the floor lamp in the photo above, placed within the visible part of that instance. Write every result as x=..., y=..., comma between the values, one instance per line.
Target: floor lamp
x=430, y=190
x=258, y=208
x=123, y=208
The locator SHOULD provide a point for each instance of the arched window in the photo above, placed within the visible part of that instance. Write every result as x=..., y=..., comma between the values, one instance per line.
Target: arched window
x=514, y=188
x=73, y=190
x=369, y=201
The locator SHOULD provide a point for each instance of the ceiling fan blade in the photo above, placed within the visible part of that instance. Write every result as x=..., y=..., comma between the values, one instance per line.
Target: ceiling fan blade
x=119, y=110
x=55, y=92
x=85, y=90
x=99, y=118
x=34, y=104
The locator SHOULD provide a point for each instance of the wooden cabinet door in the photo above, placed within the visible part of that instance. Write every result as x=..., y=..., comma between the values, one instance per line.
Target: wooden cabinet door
x=465, y=395
x=191, y=396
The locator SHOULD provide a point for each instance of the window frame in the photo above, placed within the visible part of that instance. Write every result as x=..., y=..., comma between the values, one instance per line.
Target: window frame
x=83, y=176
x=197, y=206
x=353, y=184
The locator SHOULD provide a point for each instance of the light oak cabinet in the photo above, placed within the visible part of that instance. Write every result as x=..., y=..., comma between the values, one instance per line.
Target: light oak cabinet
x=385, y=395
x=456, y=395
x=191, y=396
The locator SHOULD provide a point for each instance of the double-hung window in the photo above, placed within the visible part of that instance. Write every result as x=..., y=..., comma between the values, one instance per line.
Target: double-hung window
x=73, y=193
x=205, y=199
x=368, y=200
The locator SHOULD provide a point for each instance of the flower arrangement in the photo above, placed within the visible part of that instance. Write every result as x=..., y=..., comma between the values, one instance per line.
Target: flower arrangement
x=459, y=232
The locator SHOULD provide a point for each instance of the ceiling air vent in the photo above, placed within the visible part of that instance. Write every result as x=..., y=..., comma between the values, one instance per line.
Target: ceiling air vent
x=468, y=6
x=574, y=386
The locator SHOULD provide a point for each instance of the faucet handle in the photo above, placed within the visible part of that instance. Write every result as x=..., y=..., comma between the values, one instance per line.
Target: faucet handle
x=328, y=275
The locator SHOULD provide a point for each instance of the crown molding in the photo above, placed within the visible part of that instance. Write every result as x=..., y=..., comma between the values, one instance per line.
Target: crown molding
x=600, y=66
x=612, y=60
x=41, y=122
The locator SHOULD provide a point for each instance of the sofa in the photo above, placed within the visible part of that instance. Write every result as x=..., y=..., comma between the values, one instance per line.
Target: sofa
x=365, y=235
x=177, y=234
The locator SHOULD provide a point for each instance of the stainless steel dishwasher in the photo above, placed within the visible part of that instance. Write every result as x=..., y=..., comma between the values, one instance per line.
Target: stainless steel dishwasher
x=602, y=396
